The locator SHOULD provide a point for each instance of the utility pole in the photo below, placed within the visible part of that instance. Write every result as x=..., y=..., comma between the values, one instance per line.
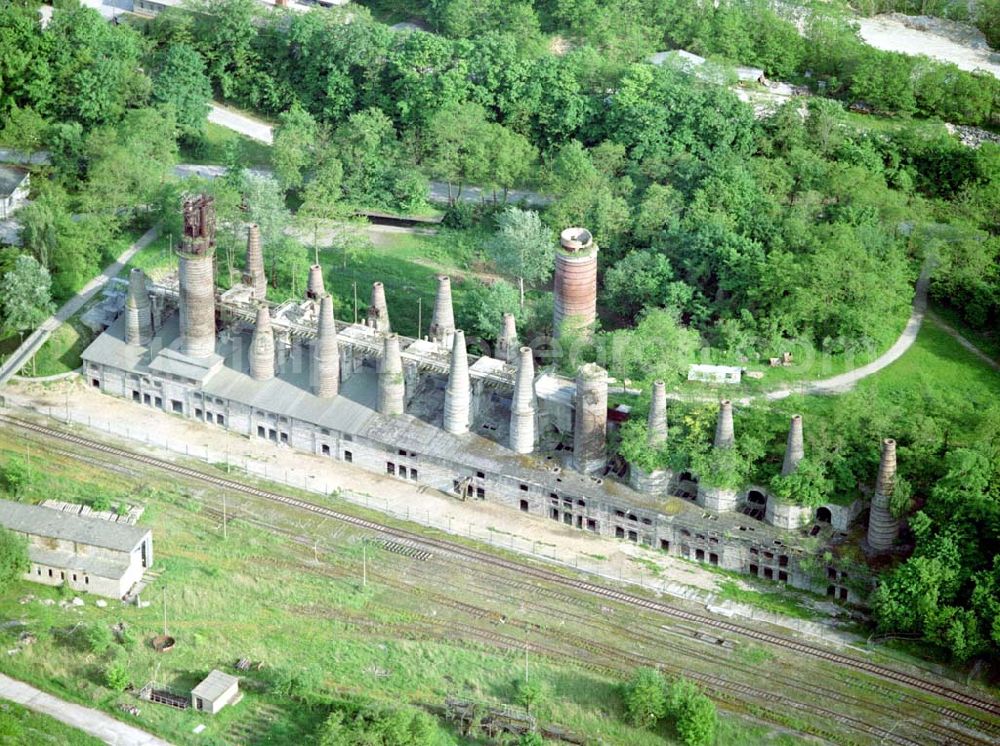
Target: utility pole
x=364, y=563
x=420, y=315
x=355, y=284
x=164, y=611
x=225, y=530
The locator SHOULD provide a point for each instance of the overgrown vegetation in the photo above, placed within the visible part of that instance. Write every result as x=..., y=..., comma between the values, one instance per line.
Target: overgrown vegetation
x=722, y=237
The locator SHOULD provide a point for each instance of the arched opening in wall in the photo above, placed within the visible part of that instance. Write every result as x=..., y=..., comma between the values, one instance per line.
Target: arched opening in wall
x=823, y=515
x=755, y=505
x=687, y=485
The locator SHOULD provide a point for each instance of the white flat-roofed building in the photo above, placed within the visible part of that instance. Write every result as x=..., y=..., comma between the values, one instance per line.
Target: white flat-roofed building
x=715, y=373
x=88, y=554
x=215, y=692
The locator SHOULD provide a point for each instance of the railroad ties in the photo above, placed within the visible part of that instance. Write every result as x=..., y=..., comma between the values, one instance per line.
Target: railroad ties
x=406, y=549
x=527, y=572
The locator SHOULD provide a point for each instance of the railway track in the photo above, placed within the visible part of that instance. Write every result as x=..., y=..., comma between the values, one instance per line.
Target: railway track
x=549, y=576
x=606, y=660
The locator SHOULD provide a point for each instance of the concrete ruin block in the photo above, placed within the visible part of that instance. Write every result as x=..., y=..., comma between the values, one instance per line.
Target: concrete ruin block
x=391, y=383
x=657, y=423
x=717, y=499
x=458, y=392
x=523, y=408
x=378, y=311
x=785, y=514
x=657, y=482
x=507, y=346
x=326, y=353
x=590, y=423
x=883, y=528
x=314, y=287
x=794, y=449
x=262, y=347
x=575, y=286
x=724, y=434
x=442, y=329
x=254, y=275
x=138, y=310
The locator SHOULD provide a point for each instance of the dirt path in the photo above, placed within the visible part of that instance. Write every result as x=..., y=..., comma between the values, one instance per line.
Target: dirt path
x=957, y=336
x=238, y=122
x=32, y=344
x=845, y=381
x=94, y=722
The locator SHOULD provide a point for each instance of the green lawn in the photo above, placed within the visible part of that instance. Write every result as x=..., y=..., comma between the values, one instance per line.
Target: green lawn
x=988, y=342
x=936, y=362
x=408, y=265
x=217, y=140
x=61, y=352
x=19, y=725
x=156, y=258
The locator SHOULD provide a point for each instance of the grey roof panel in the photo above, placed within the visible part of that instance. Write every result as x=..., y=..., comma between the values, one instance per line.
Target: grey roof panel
x=57, y=524
x=214, y=685
x=87, y=564
x=10, y=179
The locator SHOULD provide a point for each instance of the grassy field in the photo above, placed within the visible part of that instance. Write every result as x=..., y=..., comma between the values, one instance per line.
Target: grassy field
x=216, y=144
x=19, y=725
x=156, y=258
x=61, y=352
x=988, y=342
x=936, y=362
x=408, y=265
x=416, y=632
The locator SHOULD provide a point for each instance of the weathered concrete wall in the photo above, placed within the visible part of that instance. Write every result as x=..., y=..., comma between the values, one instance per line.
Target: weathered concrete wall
x=719, y=499
x=656, y=482
x=787, y=515
x=590, y=425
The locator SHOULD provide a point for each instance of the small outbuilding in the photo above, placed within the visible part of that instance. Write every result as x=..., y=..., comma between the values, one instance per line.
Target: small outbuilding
x=15, y=183
x=215, y=692
x=715, y=373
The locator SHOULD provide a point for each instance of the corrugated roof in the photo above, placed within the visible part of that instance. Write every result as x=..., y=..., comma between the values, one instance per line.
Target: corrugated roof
x=215, y=685
x=56, y=524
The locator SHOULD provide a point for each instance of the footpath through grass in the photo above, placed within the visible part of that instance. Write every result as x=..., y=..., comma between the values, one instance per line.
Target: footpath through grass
x=936, y=364
x=19, y=725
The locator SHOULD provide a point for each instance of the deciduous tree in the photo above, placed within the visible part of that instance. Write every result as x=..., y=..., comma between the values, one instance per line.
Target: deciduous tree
x=26, y=298
x=522, y=248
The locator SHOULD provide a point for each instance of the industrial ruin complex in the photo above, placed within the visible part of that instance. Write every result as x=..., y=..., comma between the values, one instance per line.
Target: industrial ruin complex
x=425, y=410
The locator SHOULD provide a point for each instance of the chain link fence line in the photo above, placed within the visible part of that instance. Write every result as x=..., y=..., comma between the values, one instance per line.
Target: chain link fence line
x=536, y=550
x=310, y=483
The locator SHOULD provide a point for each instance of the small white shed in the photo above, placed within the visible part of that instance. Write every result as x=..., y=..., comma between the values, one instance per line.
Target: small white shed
x=215, y=692
x=715, y=373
